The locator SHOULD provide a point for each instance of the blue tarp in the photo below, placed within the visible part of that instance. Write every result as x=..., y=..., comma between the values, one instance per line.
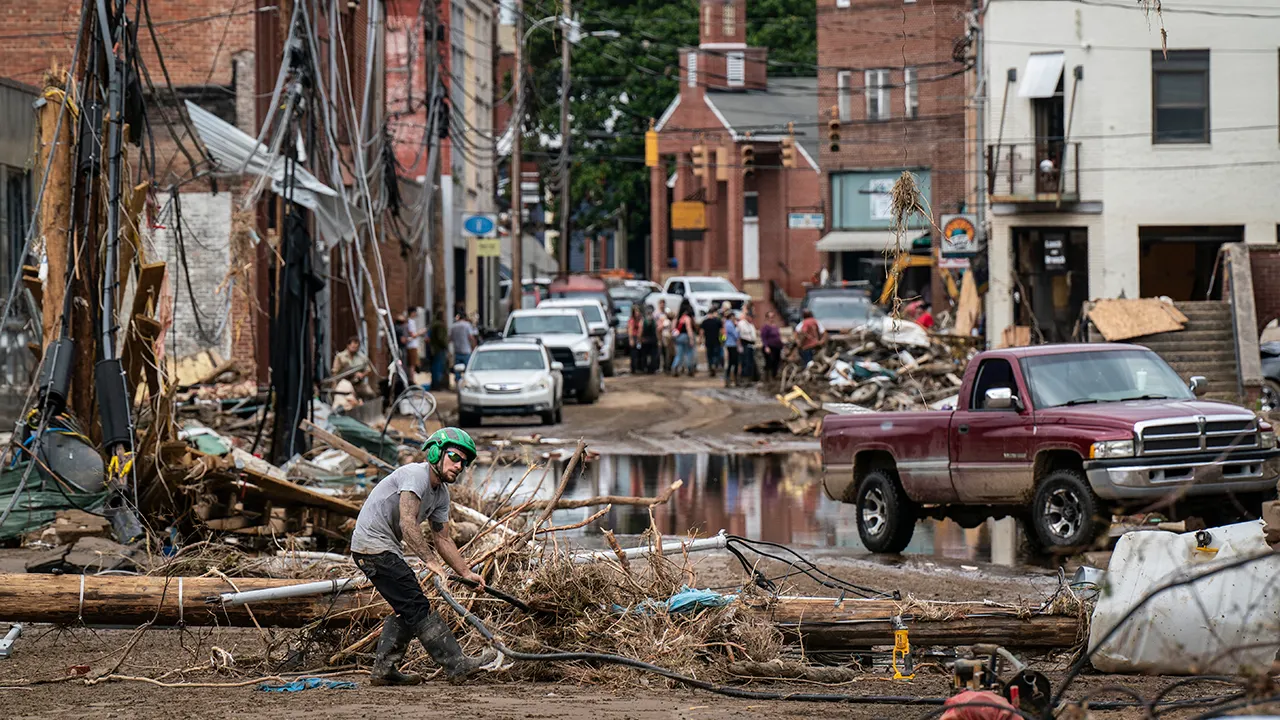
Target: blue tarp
x=687, y=600
x=308, y=684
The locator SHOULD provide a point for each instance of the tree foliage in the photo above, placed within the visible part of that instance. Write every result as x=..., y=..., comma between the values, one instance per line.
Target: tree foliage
x=620, y=84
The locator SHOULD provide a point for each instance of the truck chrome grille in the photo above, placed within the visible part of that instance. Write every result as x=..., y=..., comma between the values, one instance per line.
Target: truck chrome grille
x=1197, y=434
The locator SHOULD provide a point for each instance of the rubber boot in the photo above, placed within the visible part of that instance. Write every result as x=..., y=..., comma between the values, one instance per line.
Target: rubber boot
x=443, y=647
x=395, y=639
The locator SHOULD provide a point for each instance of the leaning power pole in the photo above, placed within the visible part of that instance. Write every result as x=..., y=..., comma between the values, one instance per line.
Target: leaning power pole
x=562, y=250
x=516, y=295
x=435, y=126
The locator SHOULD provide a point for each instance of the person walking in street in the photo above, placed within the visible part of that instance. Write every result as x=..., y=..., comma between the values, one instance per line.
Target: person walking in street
x=810, y=335
x=748, y=340
x=464, y=338
x=683, y=335
x=771, y=344
x=414, y=332
x=731, y=345
x=438, y=342
x=635, y=324
x=712, y=326
x=393, y=514
x=666, y=326
x=649, y=342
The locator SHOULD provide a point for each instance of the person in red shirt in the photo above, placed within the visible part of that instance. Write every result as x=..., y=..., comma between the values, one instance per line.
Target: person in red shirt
x=925, y=318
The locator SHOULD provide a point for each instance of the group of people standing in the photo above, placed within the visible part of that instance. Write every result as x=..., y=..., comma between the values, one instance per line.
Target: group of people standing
x=664, y=340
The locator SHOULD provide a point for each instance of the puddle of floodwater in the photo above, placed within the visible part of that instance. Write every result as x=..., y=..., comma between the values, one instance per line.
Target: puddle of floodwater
x=772, y=497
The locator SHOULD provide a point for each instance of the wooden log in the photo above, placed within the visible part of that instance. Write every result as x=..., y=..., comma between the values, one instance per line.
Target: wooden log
x=122, y=600
x=55, y=209
x=563, y=504
x=824, y=624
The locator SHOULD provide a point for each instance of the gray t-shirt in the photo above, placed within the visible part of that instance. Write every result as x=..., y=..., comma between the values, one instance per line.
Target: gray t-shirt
x=460, y=334
x=378, y=525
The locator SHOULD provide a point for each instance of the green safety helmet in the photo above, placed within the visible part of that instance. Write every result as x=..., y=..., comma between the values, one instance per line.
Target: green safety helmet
x=448, y=437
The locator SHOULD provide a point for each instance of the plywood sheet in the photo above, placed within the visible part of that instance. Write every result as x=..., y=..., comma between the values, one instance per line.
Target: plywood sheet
x=1118, y=319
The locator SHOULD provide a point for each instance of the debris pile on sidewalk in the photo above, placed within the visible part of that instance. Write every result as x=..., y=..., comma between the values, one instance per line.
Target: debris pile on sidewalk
x=883, y=372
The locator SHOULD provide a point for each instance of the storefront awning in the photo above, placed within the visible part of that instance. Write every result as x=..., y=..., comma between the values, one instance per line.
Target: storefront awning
x=1040, y=76
x=861, y=241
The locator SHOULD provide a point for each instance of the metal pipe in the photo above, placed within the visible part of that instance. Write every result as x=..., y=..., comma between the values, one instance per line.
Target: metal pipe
x=6, y=645
x=324, y=587
x=717, y=542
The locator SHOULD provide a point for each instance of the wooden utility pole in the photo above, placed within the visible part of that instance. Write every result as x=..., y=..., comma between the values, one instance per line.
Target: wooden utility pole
x=562, y=251
x=55, y=211
x=517, y=207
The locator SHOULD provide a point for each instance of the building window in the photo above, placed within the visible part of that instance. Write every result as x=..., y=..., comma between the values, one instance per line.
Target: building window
x=735, y=68
x=750, y=204
x=706, y=19
x=730, y=20
x=844, y=95
x=844, y=3
x=912, y=92
x=877, y=89
x=1180, y=96
x=691, y=69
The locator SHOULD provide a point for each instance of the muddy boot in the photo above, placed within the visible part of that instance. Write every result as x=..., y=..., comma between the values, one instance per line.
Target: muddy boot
x=392, y=644
x=443, y=647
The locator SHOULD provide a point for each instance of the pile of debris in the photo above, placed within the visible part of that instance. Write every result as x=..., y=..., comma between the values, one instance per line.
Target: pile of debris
x=902, y=371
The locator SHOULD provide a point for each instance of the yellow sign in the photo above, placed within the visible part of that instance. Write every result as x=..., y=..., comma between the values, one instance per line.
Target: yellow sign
x=488, y=247
x=651, y=148
x=689, y=215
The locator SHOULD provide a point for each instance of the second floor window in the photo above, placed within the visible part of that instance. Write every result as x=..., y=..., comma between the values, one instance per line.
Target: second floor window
x=730, y=16
x=912, y=92
x=844, y=95
x=1180, y=97
x=877, y=89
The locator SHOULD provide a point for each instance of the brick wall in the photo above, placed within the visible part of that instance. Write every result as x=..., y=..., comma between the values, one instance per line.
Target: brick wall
x=1265, y=262
x=894, y=35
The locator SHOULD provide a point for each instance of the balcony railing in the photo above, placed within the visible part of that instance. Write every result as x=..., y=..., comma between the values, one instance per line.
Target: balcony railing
x=1045, y=171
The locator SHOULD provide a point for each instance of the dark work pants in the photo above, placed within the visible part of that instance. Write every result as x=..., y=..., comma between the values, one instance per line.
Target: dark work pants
x=747, y=357
x=396, y=583
x=731, y=367
x=772, y=355
x=714, y=356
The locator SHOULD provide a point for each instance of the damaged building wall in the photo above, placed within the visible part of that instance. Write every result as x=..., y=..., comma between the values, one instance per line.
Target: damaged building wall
x=202, y=294
x=17, y=132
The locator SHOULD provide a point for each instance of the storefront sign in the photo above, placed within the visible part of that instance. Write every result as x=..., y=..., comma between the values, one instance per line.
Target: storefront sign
x=959, y=235
x=806, y=221
x=689, y=215
x=1055, y=256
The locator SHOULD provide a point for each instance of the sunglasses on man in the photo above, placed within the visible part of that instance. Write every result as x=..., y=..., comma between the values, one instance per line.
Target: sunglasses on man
x=457, y=457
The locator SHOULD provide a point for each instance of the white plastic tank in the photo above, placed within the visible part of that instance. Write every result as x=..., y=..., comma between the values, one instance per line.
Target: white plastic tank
x=1226, y=623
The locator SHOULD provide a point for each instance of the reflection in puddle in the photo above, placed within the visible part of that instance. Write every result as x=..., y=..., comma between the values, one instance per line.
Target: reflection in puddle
x=772, y=497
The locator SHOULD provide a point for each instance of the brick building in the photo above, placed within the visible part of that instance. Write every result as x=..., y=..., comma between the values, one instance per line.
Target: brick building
x=889, y=72
x=760, y=230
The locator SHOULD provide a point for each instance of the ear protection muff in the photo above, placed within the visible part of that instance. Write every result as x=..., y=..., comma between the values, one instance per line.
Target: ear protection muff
x=435, y=449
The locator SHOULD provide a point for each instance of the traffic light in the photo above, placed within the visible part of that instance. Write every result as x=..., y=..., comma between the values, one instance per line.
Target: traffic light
x=700, y=161
x=833, y=127
x=789, y=147
x=748, y=159
x=651, y=146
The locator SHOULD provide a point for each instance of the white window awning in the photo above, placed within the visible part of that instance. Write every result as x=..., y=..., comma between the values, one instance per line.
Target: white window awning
x=861, y=241
x=1040, y=76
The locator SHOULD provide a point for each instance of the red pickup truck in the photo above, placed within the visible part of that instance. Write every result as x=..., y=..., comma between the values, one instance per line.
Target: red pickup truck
x=1055, y=435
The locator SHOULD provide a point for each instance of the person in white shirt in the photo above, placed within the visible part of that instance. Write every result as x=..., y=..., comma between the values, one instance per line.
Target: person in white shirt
x=748, y=340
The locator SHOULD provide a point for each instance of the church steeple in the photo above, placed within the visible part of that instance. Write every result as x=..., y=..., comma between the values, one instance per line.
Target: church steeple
x=722, y=60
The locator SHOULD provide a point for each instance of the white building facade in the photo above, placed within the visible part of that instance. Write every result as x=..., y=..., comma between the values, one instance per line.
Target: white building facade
x=1115, y=169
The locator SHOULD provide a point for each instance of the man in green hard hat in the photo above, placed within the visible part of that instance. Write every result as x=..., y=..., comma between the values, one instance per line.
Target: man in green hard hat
x=394, y=512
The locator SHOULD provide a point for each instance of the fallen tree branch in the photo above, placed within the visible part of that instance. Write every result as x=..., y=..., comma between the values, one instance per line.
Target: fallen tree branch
x=576, y=525
x=610, y=500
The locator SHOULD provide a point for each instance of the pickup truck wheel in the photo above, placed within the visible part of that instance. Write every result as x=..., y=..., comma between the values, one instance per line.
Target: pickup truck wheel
x=1065, y=511
x=886, y=517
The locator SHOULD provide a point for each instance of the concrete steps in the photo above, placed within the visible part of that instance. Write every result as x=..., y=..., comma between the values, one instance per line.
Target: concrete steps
x=1206, y=347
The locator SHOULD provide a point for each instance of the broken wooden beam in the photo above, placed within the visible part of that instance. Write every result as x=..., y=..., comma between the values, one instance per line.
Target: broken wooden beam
x=334, y=441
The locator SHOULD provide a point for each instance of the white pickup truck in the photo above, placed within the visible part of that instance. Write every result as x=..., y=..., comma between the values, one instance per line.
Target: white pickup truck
x=702, y=291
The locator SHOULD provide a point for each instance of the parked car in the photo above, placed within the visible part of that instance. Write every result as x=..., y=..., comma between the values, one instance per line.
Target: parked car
x=702, y=292
x=582, y=286
x=1057, y=436
x=510, y=377
x=565, y=334
x=648, y=286
x=598, y=323
x=843, y=309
